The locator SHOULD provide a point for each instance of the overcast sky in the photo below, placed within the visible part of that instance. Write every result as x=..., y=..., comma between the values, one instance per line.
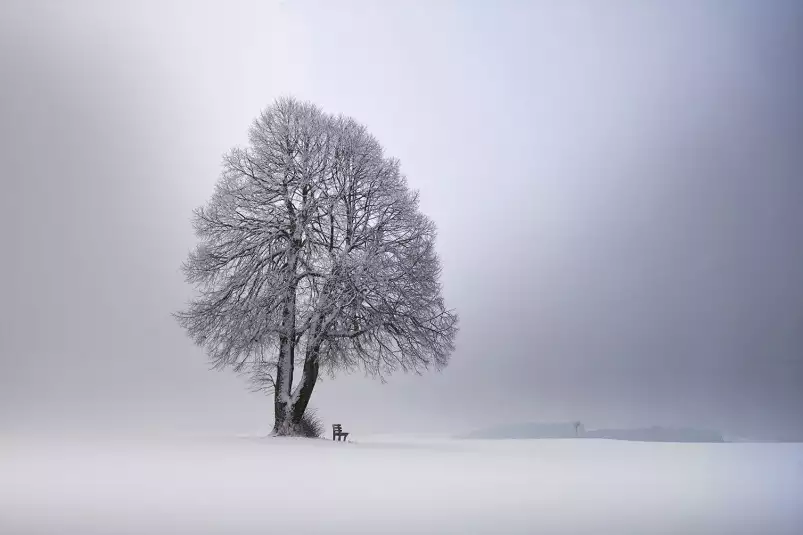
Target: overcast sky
x=617, y=186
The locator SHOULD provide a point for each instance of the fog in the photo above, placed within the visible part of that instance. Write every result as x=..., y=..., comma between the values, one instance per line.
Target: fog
x=617, y=189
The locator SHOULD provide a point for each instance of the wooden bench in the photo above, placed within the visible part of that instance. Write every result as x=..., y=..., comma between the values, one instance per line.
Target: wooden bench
x=337, y=432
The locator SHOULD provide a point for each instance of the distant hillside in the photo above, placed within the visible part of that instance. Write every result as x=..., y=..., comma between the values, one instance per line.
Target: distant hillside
x=657, y=434
x=529, y=430
x=571, y=430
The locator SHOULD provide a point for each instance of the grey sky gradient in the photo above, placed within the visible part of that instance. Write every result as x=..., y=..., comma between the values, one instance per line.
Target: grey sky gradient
x=617, y=185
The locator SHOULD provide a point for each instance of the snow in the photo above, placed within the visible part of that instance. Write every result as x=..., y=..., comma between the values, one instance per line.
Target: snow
x=397, y=484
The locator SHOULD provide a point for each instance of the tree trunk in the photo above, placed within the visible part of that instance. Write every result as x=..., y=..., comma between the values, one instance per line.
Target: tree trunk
x=282, y=402
x=282, y=408
x=309, y=379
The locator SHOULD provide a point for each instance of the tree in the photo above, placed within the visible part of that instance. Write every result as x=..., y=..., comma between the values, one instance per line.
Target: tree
x=313, y=253
x=577, y=426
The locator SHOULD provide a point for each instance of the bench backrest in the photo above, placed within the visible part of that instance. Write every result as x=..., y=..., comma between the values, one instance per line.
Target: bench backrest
x=337, y=427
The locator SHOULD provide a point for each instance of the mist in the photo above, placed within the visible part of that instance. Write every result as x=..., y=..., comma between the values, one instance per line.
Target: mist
x=617, y=191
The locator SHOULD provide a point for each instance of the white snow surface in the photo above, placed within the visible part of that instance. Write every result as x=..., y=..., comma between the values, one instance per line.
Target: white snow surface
x=397, y=484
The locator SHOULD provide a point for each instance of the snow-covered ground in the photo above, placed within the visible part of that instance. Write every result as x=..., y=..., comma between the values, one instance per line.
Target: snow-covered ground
x=398, y=485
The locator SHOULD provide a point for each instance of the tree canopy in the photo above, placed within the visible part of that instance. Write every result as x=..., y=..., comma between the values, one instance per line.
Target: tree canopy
x=313, y=253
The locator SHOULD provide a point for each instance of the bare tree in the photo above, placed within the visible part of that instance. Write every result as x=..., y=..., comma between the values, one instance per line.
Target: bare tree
x=313, y=253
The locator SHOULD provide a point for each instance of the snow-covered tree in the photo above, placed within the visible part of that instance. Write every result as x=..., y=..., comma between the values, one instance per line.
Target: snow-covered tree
x=313, y=254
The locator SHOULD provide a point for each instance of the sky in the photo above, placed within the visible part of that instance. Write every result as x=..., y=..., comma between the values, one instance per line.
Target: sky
x=617, y=188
